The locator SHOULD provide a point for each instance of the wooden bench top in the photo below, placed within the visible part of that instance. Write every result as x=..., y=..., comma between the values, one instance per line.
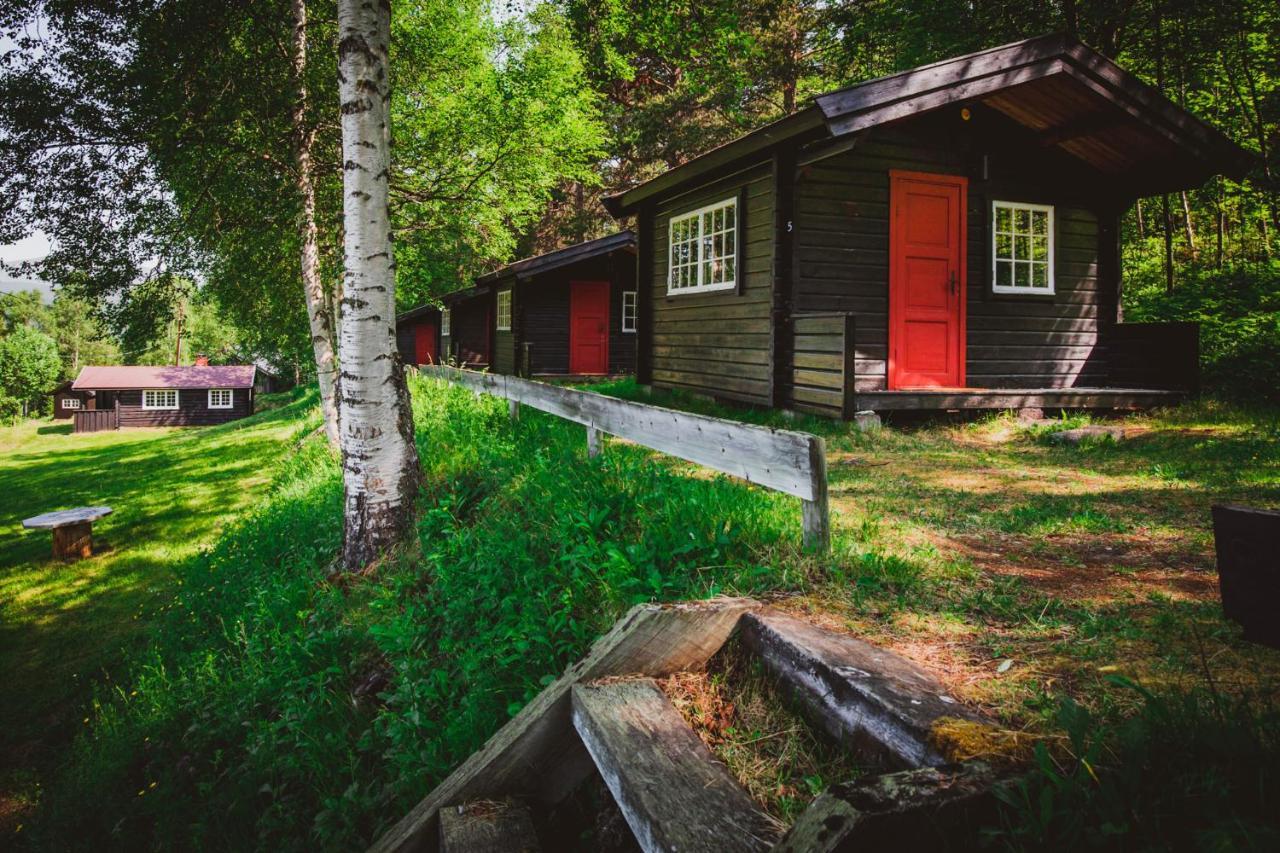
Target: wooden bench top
x=67, y=517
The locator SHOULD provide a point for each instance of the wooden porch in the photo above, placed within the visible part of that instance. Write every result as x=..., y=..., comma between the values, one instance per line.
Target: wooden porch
x=1146, y=365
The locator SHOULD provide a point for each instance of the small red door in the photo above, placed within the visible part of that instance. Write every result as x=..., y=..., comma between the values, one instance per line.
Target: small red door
x=424, y=342
x=588, y=327
x=926, y=280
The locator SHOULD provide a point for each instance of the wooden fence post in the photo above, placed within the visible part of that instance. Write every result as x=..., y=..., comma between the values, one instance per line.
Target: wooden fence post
x=593, y=442
x=815, y=514
x=513, y=409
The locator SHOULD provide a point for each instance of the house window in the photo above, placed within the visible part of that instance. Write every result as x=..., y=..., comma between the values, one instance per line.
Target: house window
x=70, y=403
x=628, y=310
x=704, y=249
x=166, y=398
x=445, y=316
x=504, y=310
x=1021, y=247
x=220, y=398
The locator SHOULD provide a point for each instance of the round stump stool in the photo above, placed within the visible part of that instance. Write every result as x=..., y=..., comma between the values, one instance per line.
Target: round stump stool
x=72, y=530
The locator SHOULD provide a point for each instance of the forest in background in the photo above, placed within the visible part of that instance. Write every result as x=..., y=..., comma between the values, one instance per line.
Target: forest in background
x=153, y=139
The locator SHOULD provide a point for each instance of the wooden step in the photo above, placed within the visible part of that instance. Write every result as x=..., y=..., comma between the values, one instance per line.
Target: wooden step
x=673, y=793
x=871, y=699
x=925, y=809
x=487, y=826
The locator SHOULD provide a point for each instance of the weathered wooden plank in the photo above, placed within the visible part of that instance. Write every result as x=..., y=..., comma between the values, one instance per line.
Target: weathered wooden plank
x=864, y=696
x=778, y=459
x=674, y=794
x=924, y=809
x=833, y=379
x=537, y=754
x=1017, y=398
x=487, y=826
x=828, y=361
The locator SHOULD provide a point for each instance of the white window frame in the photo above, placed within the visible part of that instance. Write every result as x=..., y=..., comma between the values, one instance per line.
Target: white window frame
x=629, y=302
x=152, y=405
x=698, y=242
x=502, y=315
x=231, y=398
x=1027, y=289
x=446, y=318
x=71, y=402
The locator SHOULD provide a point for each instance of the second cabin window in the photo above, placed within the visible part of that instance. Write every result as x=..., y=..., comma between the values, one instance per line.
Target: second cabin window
x=1022, y=247
x=163, y=399
x=504, y=310
x=445, y=317
x=219, y=398
x=704, y=246
x=628, y=310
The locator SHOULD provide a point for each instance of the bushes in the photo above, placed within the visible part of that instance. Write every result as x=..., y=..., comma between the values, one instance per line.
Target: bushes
x=279, y=708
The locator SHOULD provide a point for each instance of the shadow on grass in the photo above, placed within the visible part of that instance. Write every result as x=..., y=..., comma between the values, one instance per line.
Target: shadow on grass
x=55, y=429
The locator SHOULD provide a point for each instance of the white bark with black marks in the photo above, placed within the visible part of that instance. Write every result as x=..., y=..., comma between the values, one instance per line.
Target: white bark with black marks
x=379, y=459
x=318, y=313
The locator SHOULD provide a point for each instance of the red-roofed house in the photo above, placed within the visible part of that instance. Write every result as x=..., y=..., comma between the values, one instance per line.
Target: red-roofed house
x=199, y=395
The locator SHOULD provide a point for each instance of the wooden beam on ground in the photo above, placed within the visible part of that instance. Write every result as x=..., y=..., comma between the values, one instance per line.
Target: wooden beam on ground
x=864, y=696
x=925, y=809
x=537, y=754
x=487, y=826
x=672, y=791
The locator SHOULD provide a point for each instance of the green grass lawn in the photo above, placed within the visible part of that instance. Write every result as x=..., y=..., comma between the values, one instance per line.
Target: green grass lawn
x=65, y=626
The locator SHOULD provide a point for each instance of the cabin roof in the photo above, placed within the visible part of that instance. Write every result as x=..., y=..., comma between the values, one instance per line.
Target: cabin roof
x=531, y=266
x=131, y=378
x=1068, y=95
x=415, y=313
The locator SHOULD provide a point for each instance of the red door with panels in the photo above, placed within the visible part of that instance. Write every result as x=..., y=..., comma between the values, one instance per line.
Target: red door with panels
x=588, y=327
x=424, y=342
x=926, y=280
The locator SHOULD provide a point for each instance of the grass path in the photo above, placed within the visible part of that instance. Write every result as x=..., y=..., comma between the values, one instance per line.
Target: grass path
x=62, y=627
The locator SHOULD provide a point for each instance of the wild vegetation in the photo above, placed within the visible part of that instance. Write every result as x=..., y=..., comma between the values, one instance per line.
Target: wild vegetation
x=278, y=704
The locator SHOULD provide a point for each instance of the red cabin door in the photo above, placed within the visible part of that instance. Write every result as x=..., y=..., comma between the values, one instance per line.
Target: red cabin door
x=424, y=342
x=588, y=327
x=926, y=280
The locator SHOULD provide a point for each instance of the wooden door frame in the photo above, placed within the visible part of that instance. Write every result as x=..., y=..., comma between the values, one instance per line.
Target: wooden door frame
x=962, y=183
x=608, y=319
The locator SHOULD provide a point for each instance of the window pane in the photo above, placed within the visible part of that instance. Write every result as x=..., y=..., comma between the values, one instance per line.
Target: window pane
x=729, y=240
x=1040, y=249
x=1039, y=275
x=1020, y=275
x=1021, y=248
x=1004, y=246
x=1022, y=221
x=728, y=269
x=1004, y=273
x=1040, y=222
x=1002, y=218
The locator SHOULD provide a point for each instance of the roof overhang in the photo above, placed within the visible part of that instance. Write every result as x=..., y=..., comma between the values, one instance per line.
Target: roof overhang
x=1070, y=96
x=529, y=267
x=415, y=313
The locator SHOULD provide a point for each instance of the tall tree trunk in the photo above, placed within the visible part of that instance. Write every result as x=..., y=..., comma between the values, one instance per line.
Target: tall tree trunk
x=318, y=313
x=1221, y=223
x=379, y=458
x=1142, y=231
x=1168, y=243
x=1187, y=225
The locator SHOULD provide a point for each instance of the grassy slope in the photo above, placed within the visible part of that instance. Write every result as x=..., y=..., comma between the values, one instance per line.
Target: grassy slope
x=63, y=626
x=278, y=708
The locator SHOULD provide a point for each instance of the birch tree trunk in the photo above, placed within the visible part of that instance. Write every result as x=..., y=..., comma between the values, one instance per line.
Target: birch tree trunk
x=318, y=313
x=379, y=459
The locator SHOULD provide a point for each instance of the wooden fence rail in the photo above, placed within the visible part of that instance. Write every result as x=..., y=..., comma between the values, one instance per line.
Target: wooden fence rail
x=783, y=460
x=96, y=420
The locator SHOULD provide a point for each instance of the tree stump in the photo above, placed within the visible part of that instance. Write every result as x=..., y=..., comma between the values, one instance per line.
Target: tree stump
x=73, y=542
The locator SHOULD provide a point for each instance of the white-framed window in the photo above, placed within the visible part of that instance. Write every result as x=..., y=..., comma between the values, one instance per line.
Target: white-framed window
x=446, y=315
x=504, y=311
x=163, y=398
x=70, y=402
x=1021, y=247
x=628, y=310
x=220, y=398
x=704, y=249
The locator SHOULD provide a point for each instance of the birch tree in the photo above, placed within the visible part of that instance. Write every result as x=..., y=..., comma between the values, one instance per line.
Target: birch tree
x=379, y=458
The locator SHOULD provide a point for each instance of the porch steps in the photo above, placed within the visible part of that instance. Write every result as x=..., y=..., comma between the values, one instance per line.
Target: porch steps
x=671, y=790
x=606, y=716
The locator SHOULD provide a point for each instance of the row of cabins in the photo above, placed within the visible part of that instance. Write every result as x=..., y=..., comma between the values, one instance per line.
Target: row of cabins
x=943, y=238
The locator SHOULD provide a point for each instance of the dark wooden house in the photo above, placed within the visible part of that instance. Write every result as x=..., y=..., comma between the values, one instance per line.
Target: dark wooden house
x=570, y=312
x=136, y=396
x=67, y=401
x=418, y=335
x=466, y=328
x=947, y=237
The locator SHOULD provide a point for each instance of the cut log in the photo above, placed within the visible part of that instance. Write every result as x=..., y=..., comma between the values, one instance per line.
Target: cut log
x=73, y=541
x=537, y=754
x=925, y=809
x=876, y=702
x=487, y=827
x=672, y=791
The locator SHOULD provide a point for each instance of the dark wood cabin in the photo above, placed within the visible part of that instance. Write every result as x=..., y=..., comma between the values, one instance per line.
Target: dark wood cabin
x=67, y=401
x=418, y=335
x=570, y=312
x=466, y=328
x=137, y=396
x=943, y=238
